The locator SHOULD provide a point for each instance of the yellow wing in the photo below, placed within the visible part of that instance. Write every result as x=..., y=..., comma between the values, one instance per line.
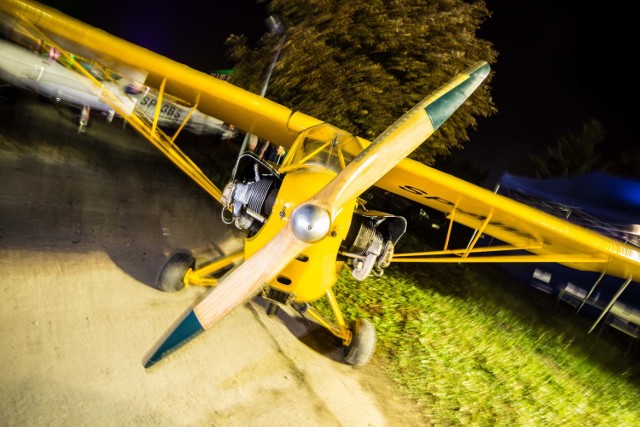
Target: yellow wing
x=548, y=238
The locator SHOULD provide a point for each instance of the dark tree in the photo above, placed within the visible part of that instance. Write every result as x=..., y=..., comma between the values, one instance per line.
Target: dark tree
x=361, y=64
x=627, y=164
x=573, y=154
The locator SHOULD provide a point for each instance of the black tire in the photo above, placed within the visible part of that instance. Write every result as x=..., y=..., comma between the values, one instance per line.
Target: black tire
x=363, y=343
x=170, y=278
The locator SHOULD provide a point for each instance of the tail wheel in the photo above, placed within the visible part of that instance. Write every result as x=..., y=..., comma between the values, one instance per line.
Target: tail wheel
x=172, y=274
x=363, y=343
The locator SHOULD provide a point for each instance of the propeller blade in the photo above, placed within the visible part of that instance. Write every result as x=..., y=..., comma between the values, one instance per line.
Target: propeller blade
x=402, y=137
x=243, y=283
x=311, y=221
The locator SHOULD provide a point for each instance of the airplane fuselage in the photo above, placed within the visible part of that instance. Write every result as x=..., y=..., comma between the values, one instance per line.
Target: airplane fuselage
x=46, y=75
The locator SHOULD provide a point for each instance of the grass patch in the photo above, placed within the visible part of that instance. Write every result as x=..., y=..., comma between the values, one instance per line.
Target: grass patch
x=471, y=348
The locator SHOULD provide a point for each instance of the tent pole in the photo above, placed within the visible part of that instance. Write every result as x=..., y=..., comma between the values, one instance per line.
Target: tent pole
x=613, y=300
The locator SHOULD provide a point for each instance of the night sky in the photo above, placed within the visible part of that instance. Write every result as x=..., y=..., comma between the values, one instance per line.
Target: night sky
x=559, y=64
x=192, y=32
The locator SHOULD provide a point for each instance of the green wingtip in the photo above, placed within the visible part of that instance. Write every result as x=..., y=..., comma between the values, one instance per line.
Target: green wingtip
x=443, y=107
x=187, y=329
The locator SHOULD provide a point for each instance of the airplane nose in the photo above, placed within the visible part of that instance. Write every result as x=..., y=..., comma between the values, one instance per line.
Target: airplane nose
x=310, y=223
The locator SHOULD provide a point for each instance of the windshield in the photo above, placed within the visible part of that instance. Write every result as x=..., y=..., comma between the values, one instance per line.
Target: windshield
x=323, y=145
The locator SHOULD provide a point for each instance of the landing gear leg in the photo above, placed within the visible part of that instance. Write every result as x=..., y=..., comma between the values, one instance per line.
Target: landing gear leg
x=358, y=339
x=272, y=309
x=84, y=118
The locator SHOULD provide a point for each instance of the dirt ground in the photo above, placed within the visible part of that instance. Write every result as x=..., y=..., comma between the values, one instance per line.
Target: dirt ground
x=86, y=222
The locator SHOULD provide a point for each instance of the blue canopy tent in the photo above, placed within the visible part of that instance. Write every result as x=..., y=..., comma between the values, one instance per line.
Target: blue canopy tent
x=606, y=204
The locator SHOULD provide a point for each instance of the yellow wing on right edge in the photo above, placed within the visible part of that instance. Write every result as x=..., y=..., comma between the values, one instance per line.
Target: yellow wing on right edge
x=546, y=237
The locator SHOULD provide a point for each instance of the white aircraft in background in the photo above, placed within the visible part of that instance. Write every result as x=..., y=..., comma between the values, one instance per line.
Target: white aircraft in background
x=46, y=73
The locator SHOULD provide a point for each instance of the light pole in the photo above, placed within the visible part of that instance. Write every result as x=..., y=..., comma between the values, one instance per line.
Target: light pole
x=276, y=27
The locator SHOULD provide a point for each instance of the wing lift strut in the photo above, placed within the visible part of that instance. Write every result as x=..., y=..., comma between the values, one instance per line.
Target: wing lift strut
x=141, y=122
x=505, y=255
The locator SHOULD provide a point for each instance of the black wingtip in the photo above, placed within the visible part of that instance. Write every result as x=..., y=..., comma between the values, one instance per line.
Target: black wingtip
x=188, y=328
x=465, y=84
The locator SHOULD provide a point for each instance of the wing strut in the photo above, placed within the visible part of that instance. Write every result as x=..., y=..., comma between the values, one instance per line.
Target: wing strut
x=157, y=137
x=477, y=233
x=451, y=221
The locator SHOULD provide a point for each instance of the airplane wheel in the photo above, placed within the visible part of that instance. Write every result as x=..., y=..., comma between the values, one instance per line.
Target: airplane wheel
x=170, y=279
x=363, y=343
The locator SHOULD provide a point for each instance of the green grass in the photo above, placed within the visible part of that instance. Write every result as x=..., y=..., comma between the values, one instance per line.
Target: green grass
x=474, y=348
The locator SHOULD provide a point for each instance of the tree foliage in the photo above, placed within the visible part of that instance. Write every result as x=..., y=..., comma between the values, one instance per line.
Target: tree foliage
x=627, y=164
x=361, y=64
x=573, y=154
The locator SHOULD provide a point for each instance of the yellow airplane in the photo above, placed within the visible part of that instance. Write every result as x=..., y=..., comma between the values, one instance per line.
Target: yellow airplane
x=304, y=220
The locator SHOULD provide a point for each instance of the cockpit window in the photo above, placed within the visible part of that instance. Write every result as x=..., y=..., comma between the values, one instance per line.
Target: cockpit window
x=323, y=145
